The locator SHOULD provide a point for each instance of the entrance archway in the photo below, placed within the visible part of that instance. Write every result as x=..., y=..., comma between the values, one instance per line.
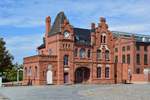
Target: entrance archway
x=49, y=75
x=82, y=74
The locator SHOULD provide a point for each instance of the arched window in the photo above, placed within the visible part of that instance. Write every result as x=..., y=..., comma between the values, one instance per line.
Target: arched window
x=30, y=72
x=107, y=55
x=50, y=51
x=107, y=72
x=89, y=53
x=66, y=60
x=36, y=71
x=98, y=54
x=98, y=72
x=25, y=74
x=76, y=52
x=82, y=53
x=104, y=37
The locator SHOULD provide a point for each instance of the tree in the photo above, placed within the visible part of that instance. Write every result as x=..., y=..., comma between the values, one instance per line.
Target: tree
x=5, y=57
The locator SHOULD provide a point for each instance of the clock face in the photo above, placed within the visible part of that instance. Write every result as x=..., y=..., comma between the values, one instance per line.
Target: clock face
x=66, y=34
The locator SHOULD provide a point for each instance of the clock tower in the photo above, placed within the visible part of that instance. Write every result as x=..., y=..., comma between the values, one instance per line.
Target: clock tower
x=66, y=45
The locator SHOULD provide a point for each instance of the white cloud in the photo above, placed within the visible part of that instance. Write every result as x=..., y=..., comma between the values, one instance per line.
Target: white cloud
x=122, y=15
x=135, y=28
x=23, y=45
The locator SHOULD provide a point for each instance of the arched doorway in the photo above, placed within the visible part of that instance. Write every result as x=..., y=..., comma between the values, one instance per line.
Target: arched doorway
x=82, y=74
x=49, y=75
x=49, y=78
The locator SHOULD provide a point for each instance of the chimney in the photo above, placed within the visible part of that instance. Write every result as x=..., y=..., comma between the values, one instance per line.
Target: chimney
x=48, y=24
x=92, y=25
x=92, y=33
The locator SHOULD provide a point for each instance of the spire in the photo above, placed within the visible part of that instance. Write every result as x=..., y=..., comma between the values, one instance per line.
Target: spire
x=59, y=20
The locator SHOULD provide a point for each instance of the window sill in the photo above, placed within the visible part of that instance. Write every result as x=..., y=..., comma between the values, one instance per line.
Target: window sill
x=99, y=78
x=107, y=78
x=66, y=66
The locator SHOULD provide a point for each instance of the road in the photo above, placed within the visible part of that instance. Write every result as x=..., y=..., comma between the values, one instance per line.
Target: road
x=78, y=92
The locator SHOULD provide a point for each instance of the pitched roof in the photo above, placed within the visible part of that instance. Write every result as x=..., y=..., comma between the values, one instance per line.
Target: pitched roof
x=82, y=36
x=138, y=37
x=41, y=46
x=56, y=27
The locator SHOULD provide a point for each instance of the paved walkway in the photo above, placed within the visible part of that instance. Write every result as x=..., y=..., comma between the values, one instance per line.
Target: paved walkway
x=79, y=92
x=3, y=97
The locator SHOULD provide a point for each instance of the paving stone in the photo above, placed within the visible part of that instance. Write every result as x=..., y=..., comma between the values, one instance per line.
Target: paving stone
x=78, y=92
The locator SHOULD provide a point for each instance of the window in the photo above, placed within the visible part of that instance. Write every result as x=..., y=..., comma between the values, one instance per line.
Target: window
x=98, y=72
x=89, y=54
x=138, y=70
x=76, y=52
x=30, y=72
x=98, y=54
x=116, y=49
x=123, y=59
x=25, y=72
x=116, y=59
x=107, y=72
x=128, y=48
x=66, y=60
x=123, y=48
x=128, y=58
x=138, y=47
x=138, y=59
x=36, y=72
x=42, y=52
x=107, y=55
x=145, y=59
x=104, y=39
x=145, y=48
x=49, y=51
x=82, y=53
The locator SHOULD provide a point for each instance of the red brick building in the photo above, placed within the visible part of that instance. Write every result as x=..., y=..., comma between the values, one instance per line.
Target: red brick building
x=96, y=55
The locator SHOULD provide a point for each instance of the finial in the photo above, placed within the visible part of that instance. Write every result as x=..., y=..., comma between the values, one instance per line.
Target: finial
x=102, y=19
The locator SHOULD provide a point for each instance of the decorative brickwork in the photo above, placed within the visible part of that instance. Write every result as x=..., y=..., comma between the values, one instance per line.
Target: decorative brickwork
x=74, y=55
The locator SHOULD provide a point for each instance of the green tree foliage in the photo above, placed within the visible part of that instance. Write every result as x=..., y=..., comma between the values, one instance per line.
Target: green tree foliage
x=11, y=73
x=5, y=57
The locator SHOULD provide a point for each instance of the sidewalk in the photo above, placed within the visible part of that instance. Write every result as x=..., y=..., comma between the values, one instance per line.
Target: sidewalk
x=3, y=97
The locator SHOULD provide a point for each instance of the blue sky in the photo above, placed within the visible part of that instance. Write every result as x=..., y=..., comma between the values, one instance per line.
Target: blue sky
x=22, y=21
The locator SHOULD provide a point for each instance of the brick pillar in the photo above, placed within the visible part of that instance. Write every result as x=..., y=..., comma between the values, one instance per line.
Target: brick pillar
x=103, y=71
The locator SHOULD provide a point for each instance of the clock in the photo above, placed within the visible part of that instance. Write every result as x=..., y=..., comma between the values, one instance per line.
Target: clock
x=66, y=34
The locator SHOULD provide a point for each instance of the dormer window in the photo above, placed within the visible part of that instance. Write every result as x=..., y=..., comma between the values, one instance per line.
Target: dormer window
x=143, y=39
x=82, y=53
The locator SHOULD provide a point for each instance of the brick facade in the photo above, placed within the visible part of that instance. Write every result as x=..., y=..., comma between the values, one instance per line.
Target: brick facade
x=96, y=55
